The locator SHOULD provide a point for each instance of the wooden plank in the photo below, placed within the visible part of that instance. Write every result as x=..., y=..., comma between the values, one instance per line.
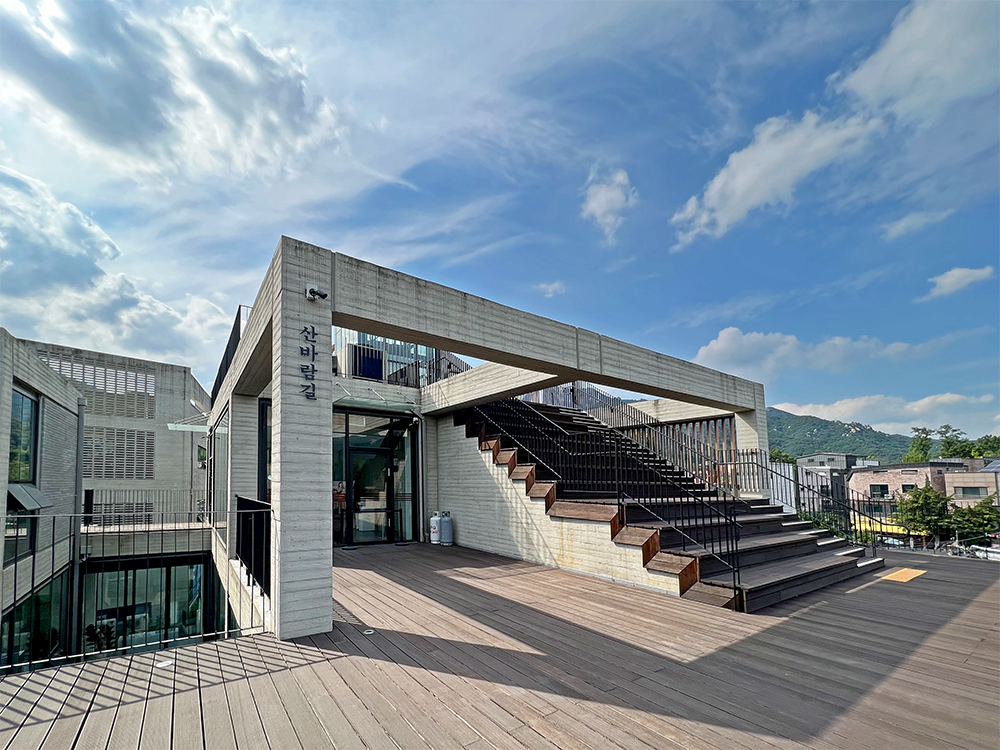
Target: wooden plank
x=67, y=724
x=31, y=697
x=186, y=719
x=96, y=729
x=243, y=711
x=217, y=719
x=157, y=723
x=132, y=705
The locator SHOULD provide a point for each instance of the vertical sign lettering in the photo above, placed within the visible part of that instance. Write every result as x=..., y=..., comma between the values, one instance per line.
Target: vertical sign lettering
x=307, y=350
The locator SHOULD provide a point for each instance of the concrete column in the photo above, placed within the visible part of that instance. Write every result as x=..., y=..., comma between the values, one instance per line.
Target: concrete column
x=243, y=447
x=751, y=425
x=302, y=446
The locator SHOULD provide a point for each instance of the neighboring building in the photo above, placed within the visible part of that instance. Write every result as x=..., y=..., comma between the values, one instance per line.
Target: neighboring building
x=838, y=461
x=133, y=459
x=75, y=581
x=828, y=471
x=963, y=479
x=40, y=477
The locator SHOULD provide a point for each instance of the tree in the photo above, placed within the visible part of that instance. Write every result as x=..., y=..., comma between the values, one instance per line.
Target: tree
x=974, y=522
x=953, y=442
x=988, y=446
x=924, y=510
x=920, y=446
x=779, y=456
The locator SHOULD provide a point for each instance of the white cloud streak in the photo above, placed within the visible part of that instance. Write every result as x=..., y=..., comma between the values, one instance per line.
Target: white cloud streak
x=781, y=155
x=894, y=414
x=551, y=289
x=55, y=286
x=606, y=199
x=955, y=280
x=938, y=59
x=762, y=356
x=913, y=222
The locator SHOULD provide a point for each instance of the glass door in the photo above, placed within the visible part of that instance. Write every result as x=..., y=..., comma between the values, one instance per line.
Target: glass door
x=371, y=496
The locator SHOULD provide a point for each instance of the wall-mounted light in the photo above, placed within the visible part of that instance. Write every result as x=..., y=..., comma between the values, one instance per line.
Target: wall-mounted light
x=313, y=294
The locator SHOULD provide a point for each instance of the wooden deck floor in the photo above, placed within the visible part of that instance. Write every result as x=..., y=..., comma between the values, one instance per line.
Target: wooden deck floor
x=475, y=651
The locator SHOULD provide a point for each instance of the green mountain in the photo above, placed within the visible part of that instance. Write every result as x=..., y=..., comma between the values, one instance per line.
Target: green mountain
x=800, y=436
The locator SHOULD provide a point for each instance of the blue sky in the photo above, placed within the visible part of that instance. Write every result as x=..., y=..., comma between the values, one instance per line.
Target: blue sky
x=803, y=194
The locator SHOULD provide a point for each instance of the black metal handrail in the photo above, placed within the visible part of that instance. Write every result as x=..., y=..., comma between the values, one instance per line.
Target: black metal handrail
x=827, y=503
x=604, y=461
x=79, y=587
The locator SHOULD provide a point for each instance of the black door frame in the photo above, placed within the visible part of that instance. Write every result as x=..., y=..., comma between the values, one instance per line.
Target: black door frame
x=390, y=493
x=416, y=478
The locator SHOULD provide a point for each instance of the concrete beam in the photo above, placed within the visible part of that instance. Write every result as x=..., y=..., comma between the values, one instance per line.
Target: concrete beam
x=481, y=385
x=381, y=301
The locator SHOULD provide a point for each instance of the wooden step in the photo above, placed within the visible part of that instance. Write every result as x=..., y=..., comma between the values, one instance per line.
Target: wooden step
x=717, y=596
x=583, y=511
x=647, y=539
x=506, y=457
x=523, y=471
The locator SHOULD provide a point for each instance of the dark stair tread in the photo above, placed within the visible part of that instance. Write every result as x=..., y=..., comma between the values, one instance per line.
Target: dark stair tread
x=780, y=571
x=585, y=511
x=742, y=519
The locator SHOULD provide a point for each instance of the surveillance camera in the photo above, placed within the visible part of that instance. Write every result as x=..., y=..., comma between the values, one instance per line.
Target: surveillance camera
x=312, y=293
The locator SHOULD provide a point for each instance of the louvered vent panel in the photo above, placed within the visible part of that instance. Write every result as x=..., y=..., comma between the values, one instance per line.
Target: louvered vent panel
x=109, y=391
x=115, y=453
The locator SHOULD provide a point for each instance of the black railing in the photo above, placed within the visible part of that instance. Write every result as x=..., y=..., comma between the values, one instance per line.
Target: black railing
x=825, y=500
x=87, y=590
x=594, y=462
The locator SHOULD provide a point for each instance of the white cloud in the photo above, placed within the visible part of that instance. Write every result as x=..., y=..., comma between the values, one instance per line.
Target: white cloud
x=923, y=94
x=551, y=289
x=187, y=95
x=605, y=200
x=617, y=265
x=761, y=356
x=781, y=155
x=894, y=414
x=955, y=280
x=913, y=222
x=56, y=288
x=743, y=308
x=936, y=54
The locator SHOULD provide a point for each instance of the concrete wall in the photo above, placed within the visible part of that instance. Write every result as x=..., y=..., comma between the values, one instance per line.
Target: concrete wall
x=175, y=459
x=493, y=513
x=56, y=461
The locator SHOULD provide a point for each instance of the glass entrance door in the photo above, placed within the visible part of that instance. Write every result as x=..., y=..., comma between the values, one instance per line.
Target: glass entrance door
x=371, y=496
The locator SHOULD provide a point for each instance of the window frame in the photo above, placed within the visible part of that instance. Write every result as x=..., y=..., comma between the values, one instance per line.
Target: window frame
x=881, y=495
x=35, y=432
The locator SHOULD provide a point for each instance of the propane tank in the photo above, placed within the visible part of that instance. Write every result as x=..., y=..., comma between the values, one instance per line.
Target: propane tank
x=447, y=530
x=435, y=528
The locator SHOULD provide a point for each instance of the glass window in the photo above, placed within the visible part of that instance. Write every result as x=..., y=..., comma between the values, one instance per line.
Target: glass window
x=403, y=475
x=218, y=460
x=340, y=477
x=971, y=491
x=19, y=532
x=36, y=630
x=908, y=487
x=23, y=437
x=369, y=431
x=878, y=490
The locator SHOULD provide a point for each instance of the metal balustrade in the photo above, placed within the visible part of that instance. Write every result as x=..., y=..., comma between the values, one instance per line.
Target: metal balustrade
x=74, y=589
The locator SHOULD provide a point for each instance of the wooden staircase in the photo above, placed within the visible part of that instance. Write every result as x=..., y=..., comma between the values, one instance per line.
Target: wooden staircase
x=780, y=555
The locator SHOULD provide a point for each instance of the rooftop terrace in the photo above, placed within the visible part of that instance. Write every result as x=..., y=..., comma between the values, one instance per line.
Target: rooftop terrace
x=471, y=650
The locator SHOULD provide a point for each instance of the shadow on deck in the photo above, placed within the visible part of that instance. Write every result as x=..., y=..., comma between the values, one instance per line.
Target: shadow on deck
x=475, y=651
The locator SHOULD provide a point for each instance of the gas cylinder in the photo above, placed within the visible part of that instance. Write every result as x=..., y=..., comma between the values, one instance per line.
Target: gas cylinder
x=447, y=530
x=435, y=528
